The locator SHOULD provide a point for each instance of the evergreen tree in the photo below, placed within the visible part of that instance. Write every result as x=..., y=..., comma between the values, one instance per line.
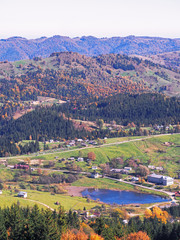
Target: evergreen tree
x=3, y=233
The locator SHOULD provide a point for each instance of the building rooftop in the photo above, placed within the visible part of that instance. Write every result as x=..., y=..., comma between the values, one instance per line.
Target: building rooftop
x=155, y=175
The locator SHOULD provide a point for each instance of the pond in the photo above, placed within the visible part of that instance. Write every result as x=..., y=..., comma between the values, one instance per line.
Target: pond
x=121, y=197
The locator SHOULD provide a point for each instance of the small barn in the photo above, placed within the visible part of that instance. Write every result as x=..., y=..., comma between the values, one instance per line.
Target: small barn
x=22, y=194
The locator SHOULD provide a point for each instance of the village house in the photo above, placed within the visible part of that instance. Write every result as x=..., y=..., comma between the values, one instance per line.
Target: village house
x=128, y=168
x=160, y=179
x=134, y=179
x=116, y=170
x=151, y=167
x=22, y=194
x=119, y=170
x=80, y=159
x=84, y=144
x=159, y=168
x=95, y=175
x=94, y=167
x=21, y=166
x=177, y=194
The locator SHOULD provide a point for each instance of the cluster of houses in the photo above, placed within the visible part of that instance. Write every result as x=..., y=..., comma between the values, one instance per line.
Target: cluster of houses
x=159, y=127
x=152, y=178
x=72, y=143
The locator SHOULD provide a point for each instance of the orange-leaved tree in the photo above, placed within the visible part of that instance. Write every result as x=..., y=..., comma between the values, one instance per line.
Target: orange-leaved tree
x=137, y=236
x=92, y=155
x=158, y=213
x=95, y=236
x=71, y=235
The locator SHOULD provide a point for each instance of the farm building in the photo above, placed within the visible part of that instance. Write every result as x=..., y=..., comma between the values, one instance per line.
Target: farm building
x=80, y=159
x=21, y=166
x=128, y=168
x=22, y=194
x=95, y=175
x=160, y=179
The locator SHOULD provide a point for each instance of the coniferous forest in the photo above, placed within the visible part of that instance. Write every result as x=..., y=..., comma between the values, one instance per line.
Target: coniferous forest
x=147, y=108
x=17, y=223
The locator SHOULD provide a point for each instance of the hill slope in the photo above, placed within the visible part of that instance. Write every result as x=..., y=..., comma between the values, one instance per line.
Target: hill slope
x=71, y=75
x=16, y=48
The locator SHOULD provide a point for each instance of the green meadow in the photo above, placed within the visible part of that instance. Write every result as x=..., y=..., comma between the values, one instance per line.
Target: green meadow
x=150, y=150
x=37, y=197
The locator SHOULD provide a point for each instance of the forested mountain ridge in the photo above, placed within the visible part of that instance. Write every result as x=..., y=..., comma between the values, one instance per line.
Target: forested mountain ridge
x=145, y=108
x=16, y=48
x=71, y=75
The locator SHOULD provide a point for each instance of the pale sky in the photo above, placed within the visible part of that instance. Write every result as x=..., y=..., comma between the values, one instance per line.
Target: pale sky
x=99, y=18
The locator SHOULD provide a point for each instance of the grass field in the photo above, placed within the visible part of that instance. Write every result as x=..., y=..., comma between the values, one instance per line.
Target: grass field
x=68, y=202
x=102, y=183
x=6, y=200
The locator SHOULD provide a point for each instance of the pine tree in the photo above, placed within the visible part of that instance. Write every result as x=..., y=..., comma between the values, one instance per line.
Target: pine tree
x=51, y=226
x=3, y=233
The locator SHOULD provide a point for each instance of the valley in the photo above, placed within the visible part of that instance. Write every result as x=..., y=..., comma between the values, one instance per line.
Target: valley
x=73, y=124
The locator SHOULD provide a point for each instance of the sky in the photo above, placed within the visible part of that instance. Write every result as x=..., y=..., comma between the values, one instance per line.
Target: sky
x=100, y=18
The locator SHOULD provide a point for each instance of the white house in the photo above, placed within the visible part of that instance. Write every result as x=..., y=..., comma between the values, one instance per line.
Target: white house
x=80, y=159
x=135, y=179
x=94, y=167
x=22, y=194
x=95, y=175
x=159, y=168
x=151, y=166
x=128, y=168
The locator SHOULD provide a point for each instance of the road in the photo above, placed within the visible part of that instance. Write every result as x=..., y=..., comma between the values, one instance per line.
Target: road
x=45, y=205
x=92, y=146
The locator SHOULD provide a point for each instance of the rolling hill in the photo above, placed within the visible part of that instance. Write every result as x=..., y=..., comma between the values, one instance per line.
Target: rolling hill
x=69, y=75
x=16, y=48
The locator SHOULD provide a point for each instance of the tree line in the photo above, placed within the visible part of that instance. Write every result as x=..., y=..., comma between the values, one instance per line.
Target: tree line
x=18, y=223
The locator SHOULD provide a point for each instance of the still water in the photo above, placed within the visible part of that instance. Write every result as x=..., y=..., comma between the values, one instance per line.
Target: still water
x=122, y=197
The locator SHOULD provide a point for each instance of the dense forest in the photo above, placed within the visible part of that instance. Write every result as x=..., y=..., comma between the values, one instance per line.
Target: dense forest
x=149, y=108
x=40, y=124
x=17, y=223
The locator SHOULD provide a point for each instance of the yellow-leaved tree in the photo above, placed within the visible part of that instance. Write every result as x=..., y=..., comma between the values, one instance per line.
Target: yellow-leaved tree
x=161, y=215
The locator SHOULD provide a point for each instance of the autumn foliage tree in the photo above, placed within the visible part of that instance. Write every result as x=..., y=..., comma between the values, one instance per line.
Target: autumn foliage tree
x=158, y=213
x=74, y=235
x=96, y=237
x=91, y=155
x=138, y=236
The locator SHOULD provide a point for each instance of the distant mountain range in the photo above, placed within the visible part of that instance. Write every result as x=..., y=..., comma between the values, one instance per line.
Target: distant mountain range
x=17, y=48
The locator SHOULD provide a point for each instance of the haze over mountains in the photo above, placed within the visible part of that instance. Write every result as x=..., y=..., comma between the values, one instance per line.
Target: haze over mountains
x=17, y=48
